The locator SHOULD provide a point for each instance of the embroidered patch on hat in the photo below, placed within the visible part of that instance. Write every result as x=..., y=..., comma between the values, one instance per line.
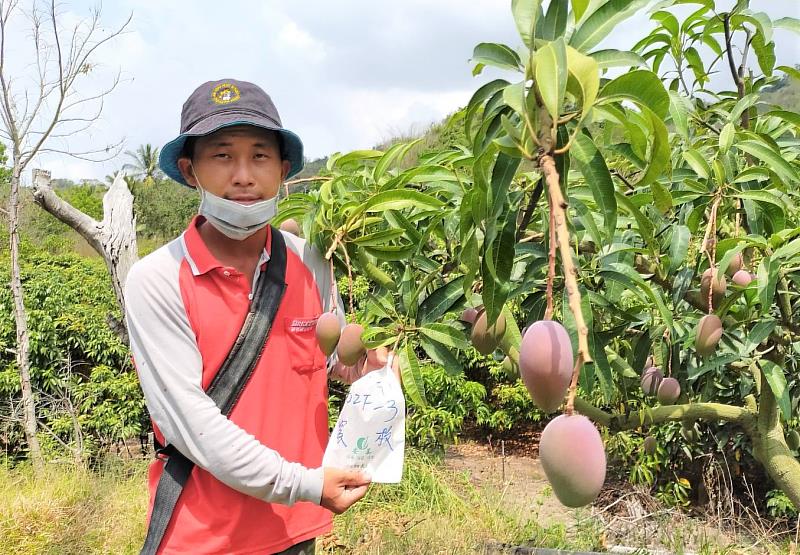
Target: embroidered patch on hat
x=225, y=93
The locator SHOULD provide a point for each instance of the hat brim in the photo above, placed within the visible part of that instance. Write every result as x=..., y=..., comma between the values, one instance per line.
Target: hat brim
x=170, y=152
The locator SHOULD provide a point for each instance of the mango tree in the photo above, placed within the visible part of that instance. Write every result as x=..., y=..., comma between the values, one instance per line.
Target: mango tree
x=651, y=180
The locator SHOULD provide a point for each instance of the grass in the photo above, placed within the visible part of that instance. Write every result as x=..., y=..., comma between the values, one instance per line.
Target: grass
x=433, y=510
x=70, y=511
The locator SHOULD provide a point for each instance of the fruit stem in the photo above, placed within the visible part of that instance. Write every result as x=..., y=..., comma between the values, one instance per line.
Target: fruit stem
x=336, y=240
x=573, y=386
x=349, y=277
x=557, y=208
x=551, y=270
x=334, y=304
x=710, y=246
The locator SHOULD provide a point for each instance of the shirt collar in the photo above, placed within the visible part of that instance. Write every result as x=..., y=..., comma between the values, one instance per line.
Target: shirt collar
x=200, y=258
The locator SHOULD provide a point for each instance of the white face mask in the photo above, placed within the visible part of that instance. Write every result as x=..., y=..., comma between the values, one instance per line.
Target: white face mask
x=235, y=220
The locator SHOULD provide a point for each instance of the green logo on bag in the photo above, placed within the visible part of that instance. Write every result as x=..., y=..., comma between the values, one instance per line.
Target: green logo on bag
x=362, y=447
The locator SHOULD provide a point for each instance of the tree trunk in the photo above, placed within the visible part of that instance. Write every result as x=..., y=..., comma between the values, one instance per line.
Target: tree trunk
x=770, y=449
x=114, y=238
x=21, y=320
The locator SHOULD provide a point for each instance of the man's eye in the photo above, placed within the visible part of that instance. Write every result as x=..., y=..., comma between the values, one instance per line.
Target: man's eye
x=221, y=155
x=261, y=155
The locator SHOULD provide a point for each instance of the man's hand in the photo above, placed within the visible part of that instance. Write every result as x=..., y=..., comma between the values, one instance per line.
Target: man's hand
x=341, y=488
x=374, y=359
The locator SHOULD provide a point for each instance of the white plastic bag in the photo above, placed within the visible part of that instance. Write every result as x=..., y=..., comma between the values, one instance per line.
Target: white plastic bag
x=370, y=434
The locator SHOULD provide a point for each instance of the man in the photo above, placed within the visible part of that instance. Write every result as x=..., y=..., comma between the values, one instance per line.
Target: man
x=257, y=486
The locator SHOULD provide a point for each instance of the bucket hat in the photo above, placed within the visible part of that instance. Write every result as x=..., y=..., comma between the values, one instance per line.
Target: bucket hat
x=217, y=104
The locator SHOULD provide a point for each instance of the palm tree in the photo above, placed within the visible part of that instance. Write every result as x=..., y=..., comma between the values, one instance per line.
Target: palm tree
x=145, y=164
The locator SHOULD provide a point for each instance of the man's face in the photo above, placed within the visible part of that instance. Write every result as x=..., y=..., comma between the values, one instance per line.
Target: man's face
x=241, y=163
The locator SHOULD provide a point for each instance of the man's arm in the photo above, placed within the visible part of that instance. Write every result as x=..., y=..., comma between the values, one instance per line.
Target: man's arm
x=169, y=365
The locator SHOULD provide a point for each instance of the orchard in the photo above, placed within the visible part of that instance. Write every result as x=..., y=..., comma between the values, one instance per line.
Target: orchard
x=634, y=211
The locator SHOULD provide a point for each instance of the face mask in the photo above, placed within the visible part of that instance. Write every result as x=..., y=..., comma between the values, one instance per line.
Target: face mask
x=235, y=220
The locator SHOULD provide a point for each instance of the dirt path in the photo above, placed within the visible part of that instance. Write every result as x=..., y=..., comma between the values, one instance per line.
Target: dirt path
x=517, y=479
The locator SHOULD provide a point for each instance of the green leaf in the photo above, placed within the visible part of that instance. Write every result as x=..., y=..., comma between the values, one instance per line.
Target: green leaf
x=438, y=303
x=758, y=334
x=662, y=199
x=379, y=237
x=525, y=13
x=640, y=86
x=495, y=289
x=777, y=383
x=617, y=58
x=726, y=137
x=768, y=271
x=478, y=99
x=446, y=335
x=595, y=172
x=659, y=151
x=399, y=199
x=555, y=22
x=762, y=195
x=743, y=104
x=392, y=252
x=668, y=22
x=601, y=23
x=644, y=286
x=585, y=71
x=579, y=8
x=499, y=253
x=679, y=109
x=375, y=337
x=774, y=160
x=788, y=23
x=785, y=115
x=765, y=53
x=396, y=152
x=644, y=224
x=357, y=156
x=551, y=75
x=497, y=55
x=413, y=383
x=679, y=246
x=503, y=173
x=442, y=355
x=697, y=162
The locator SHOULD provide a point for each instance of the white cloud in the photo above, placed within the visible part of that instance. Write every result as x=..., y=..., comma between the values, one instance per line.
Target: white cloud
x=343, y=74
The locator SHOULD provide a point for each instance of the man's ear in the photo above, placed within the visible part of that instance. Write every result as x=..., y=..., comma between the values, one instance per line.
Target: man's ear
x=285, y=167
x=185, y=166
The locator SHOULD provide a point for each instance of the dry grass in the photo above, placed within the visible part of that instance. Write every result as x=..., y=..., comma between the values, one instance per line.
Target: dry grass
x=67, y=510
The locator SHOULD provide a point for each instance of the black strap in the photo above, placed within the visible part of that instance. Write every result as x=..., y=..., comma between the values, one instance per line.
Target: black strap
x=226, y=387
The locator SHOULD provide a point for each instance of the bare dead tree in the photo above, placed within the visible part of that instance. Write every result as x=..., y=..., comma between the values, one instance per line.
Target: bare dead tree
x=32, y=117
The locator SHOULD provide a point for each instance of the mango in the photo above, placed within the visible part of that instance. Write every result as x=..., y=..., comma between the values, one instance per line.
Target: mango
x=484, y=338
x=743, y=278
x=469, y=315
x=328, y=331
x=668, y=391
x=793, y=440
x=651, y=379
x=736, y=264
x=350, y=347
x=690, y=433
x=714, y=280
x=708, y=334
x=291, y=226
x=573, y=459
x=546, y=363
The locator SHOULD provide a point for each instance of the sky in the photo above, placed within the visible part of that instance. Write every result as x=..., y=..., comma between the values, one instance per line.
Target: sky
x=344, y=75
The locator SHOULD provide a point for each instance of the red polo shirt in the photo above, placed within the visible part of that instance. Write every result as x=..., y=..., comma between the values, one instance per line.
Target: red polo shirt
x=258, y=481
